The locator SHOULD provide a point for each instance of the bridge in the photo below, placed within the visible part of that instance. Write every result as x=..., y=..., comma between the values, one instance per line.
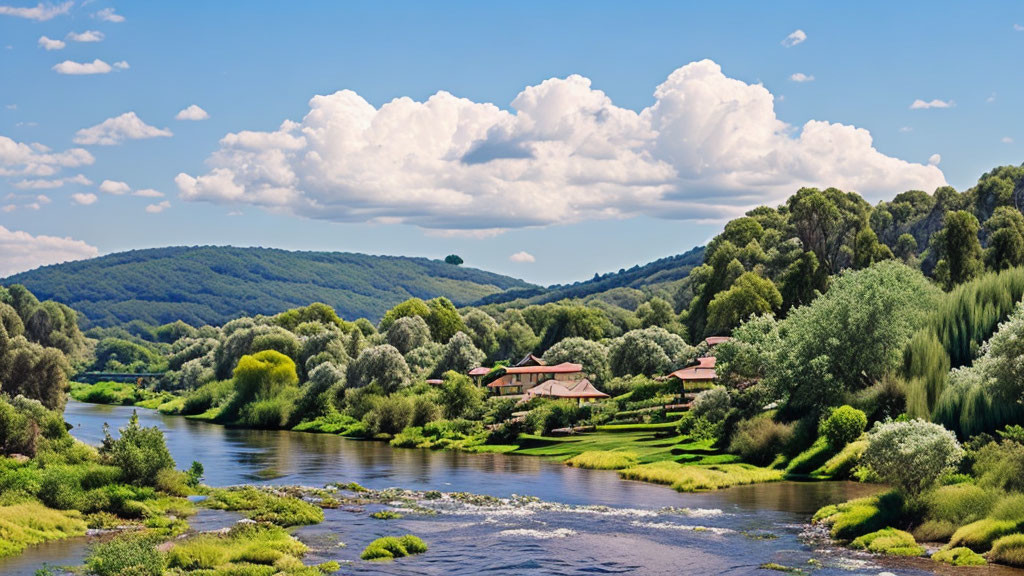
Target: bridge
x=134, y=377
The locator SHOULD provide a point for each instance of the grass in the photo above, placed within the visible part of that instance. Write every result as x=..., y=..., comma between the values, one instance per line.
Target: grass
x=979, y=536
x=390, y=547
x=342, y=424
x=811, y=459
x=603, y=460
x=692, y=478
x=649, y=443
x=842, y=464
x=263, y=506
x=29, y=523
x=1008, y=550
x=959, y=557
x=119, y=393
x=889, y=541
x=246, y=549
x=386, y=515
x=862, y=516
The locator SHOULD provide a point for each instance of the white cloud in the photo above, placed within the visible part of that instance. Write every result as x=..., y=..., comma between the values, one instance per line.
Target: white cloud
x=115, y=130
x=122, y=65
x=148, y=193
x=1006, y=140
x=796, y=37
x=801, y=77
x=21, y=159
x=40, y=12
x=51, y=44
x=71, y=67
x=158, y=208
x=87, y=36
x=193, y=112
x=522, y=257
x=934, y=159
x=20, y=251
x=84, y=199
x=115, y=187
x=709, y=148
x=49, y=184
x=108, y=15
x=1018, y=27
x=926, y=104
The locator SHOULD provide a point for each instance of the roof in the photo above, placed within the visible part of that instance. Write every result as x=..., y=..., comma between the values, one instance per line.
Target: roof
x=531, y=360
x=716, y=340
x=481, y=371
x=704, y=370
x=434, y=381
x=563, y=368
x=561, y=389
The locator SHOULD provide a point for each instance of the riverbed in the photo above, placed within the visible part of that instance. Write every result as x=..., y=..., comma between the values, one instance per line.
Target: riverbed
x=586, y=521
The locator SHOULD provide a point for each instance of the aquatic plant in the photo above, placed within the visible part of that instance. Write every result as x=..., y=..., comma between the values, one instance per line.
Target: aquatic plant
x=133, y=553
x=22, y=525
x=691, y=478
x=1008, y=550
x=889, y=541
x=264, y=506
x=390, y=547
x=603, y=460
x=980, y=535
x=959, y=557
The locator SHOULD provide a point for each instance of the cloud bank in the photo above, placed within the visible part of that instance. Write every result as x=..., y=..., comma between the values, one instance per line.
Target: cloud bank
x=709, y=148
x=20, y=251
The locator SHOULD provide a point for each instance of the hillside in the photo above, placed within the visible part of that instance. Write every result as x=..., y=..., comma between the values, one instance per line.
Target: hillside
x=213, y=284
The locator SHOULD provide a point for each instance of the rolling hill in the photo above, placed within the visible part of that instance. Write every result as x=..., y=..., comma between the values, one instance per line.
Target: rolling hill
x=213, y=284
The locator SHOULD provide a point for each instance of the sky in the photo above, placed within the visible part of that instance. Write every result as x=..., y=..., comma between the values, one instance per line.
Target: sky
x=545, y=140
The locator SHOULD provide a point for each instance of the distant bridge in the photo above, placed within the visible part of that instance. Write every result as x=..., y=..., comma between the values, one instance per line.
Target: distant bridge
x=136, y=377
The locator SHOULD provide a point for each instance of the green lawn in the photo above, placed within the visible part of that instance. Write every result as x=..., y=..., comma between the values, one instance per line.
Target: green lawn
x=650, y=443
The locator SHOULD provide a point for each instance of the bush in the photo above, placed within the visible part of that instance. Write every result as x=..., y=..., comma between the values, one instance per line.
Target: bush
x=1010, y=507
x=1000, y=465
x=889, y=541
x=389, y=548
x=856, y=518
x=262, y=506
x=139, y=452
x=552, y=415
x=843, y=464
x=959, y=557
x=759, y=439
x=911, y=455
x=207, y=396
x=844, y=425
x=960, y=504
x=1009, y=550
x=980, y=535
x=692, y=478
x=389, y=415
x=129, y=554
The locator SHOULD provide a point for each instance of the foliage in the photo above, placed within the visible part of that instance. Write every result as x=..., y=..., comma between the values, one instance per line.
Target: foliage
x=592, y=355
x=692, y=478
x=407, y=333
x=390, y=547
x=134, y=554
x=264, y=506
x=459, y=397
x=889, y=541
x=961, y=556
x=759, y=439
x=460, y=355
x=603, y=460
x=139, y=452
x=843, y=425
x=648, y=351
x=749, y=295
x=1009, y=550
x=911, y=455
x=245, y=550
x=29, y=523
x=453, y=259
x=980, y=535
x=958, y=248
x=1000, y=465
x=381, y=365
x=855, y=518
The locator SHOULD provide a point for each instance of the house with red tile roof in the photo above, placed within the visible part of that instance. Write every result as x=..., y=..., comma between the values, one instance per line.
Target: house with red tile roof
x=580, y=391
x=516, y=380
x=713, y=341
x=698, y=377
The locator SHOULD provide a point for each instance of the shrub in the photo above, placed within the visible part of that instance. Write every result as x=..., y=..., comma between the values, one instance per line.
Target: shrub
x=692, y=478
x=935, y=531
x=139, y=452
x=551, y=415
x=911, y=455
x=603, y=460
x=1000, y=465
x=842, y=465
x=269, y=414
x=861, y=516
x=388, y=415
x=1010, y=507
x=1009, y=550
x=889, y=541
x=207, y=396
x=959, y=557
x=759, y=439
x=263, y=506
x=960, y=504
x=389, y=548
x=844, y=425
x=130, y=554
x=978, y=536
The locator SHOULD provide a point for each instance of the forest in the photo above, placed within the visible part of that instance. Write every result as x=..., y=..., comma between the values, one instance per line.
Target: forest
x=874, y=343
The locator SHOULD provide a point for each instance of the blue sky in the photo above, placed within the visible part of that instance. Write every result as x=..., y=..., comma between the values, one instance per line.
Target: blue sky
x=580, y=181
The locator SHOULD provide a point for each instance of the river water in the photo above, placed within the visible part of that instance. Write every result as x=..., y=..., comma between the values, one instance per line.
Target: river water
x=588, y=522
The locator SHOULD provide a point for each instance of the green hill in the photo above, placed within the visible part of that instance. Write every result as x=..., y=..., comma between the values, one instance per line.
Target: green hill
x=213, y=284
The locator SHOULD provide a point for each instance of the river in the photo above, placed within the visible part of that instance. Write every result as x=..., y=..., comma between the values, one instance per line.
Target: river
x=590, y=522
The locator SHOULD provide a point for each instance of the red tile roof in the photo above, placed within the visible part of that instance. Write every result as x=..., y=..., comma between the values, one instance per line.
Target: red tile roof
x=565, y=389
x=563, y=368
x=716, y=340
x=481, y=371
x=531, y=360
x=704, y=370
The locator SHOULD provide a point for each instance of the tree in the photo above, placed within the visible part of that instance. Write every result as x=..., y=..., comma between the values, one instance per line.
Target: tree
x=803, y=280
x=852, y=335
x=1005, y=239
x=459, y=397
x=906, y=247
x=382, y=365
x=867, y=249
x=444, y=319
x=592, y=355
x=263, y=375
x=139, y=452
x=575, y=321
x=408, y=332
x=655, y=312
x=483, y=329
x=911, y=455
x=515, y=338
x=843, y=425
x=33, y=371
x=749, y=295
x=460, y=355
x=648, y=351
x=453, y=259
x=411, y=307
x=958, y=248
x=825, y=222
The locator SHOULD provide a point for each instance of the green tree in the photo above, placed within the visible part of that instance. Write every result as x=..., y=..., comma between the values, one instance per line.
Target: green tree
x=444, y=319
x=826, y=221
x=958, y=248
x=656, y=312
x=592, y=355
x=139, y=452
x=411, y=307
x=408, y=332
x=263, y=375
x=575, y=321
x=459, y=397
x=460, y=355
x=803, y=280
x=453, y=259
x=483, y=329
x=515, y=338
x=749, y=295
x=381, y=365
x=867, y=249
x=1005, y=239
x=906, y=247
x=911, y=455
x=648, y=351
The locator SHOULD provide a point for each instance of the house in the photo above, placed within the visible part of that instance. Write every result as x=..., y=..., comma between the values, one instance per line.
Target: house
x=531, y=360
x=515, y=380
x=477, y=374
x=713, y=341
x=580, y=390
x=698, y=377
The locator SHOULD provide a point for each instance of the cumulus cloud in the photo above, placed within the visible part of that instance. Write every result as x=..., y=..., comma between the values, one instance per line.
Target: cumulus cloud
x=522, y=257
x=709, y=148
x=73, y=68
x=108, y=15
x=21, y=159
x=40, y=12
x=148, y=193
x=801, y=77
x=158, y=208
x=51, y=44
x=193, y=112
x=934, y=159
x=115, y=187
x=87, y=36
x=49, y=184
x=20, y=251
x=115, y=130
x=926, y=104
x=795, y=37
x=84, y=199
